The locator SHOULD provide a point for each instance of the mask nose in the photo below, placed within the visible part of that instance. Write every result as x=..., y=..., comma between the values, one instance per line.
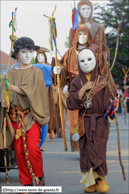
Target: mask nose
x=86, y=62
x=27, y=54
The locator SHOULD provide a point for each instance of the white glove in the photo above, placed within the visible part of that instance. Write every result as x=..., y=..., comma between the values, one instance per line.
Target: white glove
x=65, y=89
x=56, y=70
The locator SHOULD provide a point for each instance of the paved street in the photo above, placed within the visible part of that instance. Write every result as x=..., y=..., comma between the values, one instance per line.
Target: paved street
x=62, y=168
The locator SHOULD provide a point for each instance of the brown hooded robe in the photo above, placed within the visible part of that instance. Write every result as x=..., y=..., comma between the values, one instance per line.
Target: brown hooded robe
x=98, y=34
x=96, y=30
x=70, y=61
x=93, y=143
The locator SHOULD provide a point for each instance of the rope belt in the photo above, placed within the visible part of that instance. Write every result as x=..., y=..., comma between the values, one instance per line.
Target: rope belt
x=21, y=123
x=21, y=132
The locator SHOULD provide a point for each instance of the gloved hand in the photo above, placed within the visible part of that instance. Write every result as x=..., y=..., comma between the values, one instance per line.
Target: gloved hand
x=57, y=70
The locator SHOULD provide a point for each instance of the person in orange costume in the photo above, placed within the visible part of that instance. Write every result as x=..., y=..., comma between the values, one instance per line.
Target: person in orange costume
x=85, y=10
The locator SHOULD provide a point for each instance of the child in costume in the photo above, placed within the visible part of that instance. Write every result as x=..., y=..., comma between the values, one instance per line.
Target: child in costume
x=28, y=113
x=82, y=39
x=90, y=95
x=41, y=62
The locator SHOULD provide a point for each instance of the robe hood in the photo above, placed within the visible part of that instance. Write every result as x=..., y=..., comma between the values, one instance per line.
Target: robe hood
x=85, y=2
x=86, y=30
x=94, y=73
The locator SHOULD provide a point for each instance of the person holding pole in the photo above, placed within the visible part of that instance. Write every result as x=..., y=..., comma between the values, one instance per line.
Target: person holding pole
x=53, y=34
x=28, y=112
x=69, y=61
x=90, y=95
x=85, y=10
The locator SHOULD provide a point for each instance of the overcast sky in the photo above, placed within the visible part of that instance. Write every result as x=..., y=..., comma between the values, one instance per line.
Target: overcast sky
x=33, y=24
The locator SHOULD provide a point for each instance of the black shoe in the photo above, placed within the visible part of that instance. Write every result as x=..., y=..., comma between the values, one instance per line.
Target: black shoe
x=41, y=181
x=29, y=185
x=24, y=193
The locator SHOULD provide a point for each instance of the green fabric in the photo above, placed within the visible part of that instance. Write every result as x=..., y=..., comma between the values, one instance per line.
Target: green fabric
x=6, y=84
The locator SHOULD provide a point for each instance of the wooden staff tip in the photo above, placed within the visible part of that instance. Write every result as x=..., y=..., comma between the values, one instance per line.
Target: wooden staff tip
x=123, y=71
x=127, y=71
x=46, y=16
x=54, y=11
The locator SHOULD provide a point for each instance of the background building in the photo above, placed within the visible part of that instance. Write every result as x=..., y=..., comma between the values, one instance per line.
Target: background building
x=3, y=63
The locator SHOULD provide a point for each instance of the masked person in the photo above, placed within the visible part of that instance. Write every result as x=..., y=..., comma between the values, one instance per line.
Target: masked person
x=90, y=95
x=41, y=57
x=64, y=92
x=28, y=113
x=54, y=125
x=41, y=60
x=82, y=39
x=85, y=9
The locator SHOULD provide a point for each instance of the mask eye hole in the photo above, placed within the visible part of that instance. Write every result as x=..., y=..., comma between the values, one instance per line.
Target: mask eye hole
x=89, y=59
x=82, y=61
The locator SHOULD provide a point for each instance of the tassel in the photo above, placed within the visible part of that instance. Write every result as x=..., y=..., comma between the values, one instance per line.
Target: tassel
x=75, y=20
x=10, y=24
x=7, y=99
x=55, y=29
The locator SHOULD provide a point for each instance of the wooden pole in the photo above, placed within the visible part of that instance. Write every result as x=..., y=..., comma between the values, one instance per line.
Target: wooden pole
x=118, y=134
x=60, y=100
x=125, y=74
x=5, y=109
x=115, y=115
x=5, y=158
x=74, y=4
x=52, y=19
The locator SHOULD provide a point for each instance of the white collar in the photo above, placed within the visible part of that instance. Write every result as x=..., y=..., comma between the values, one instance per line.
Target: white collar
x=24, y=67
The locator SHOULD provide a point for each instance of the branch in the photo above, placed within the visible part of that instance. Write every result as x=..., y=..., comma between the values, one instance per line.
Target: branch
x=115, y=115
x=115, y=51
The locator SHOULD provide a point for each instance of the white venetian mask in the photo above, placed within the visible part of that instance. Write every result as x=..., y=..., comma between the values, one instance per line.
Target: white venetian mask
x=87, y=60
x=41, y=58
x=85, y=12
x=82, y=37
x=25, y=55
